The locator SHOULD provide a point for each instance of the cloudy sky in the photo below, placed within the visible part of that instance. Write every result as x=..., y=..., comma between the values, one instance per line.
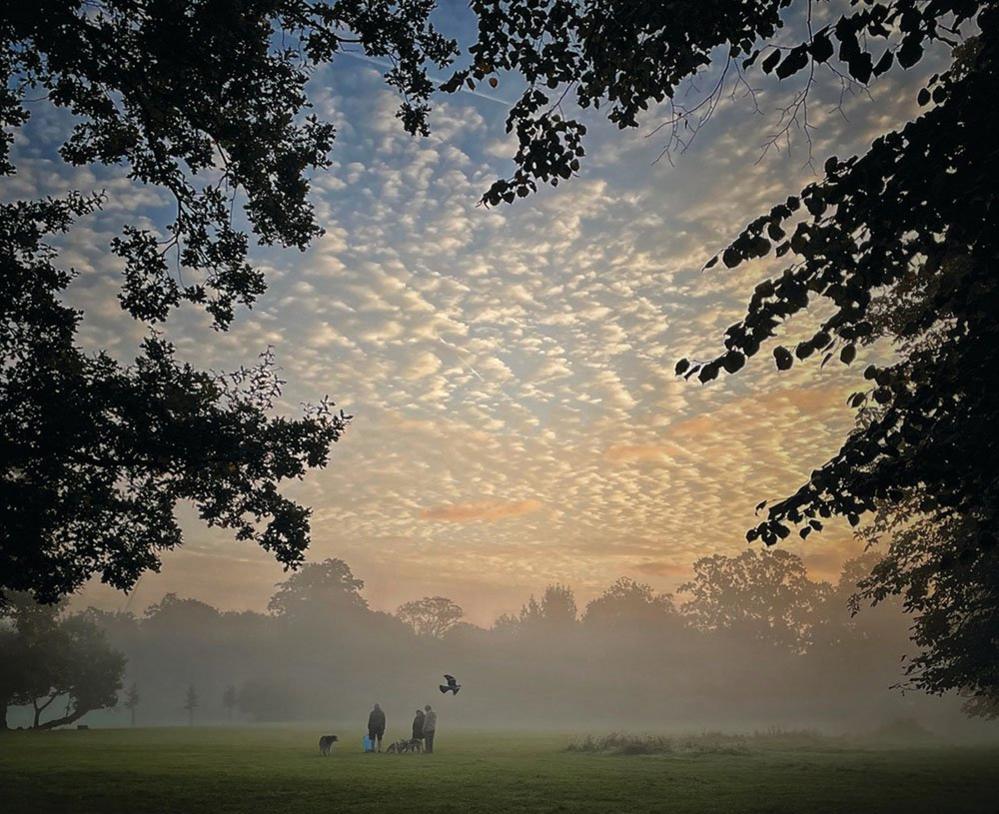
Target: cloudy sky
x=510, y=370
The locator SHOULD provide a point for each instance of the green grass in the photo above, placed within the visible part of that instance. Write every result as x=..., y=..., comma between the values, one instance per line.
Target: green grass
x=279, y=770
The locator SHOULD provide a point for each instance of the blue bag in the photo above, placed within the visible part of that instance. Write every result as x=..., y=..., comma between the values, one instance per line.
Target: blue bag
x=369, y=745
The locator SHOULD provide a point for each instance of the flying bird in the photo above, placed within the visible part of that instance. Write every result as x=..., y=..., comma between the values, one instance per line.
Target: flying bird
x=452, y=684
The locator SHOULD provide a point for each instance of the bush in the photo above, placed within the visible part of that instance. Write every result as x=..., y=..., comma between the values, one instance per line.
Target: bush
x=705, y=743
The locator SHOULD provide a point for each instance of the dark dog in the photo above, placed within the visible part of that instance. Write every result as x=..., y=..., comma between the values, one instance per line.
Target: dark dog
x=326, y=744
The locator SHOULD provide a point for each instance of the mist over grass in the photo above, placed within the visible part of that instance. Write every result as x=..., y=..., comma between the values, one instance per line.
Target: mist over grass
x=777, y=655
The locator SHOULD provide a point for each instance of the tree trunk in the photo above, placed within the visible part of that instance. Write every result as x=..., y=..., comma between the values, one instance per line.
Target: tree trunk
x=40, y=709
x=71, y=718
x=3, y=714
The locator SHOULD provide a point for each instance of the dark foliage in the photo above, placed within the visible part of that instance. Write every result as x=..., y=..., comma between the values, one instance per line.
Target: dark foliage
x=96, y=455
x=205, y=100
x=47, y=657
x=177, y=90
x=901, y=242
x=628, y=55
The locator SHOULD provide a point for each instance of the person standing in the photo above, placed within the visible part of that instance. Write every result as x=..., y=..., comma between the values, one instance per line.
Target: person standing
x=429, y=729
x=376, y=726
x=418, y=725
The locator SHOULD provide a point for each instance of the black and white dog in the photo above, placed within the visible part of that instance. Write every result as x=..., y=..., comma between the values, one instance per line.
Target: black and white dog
x=412, y=745
x=326, y=744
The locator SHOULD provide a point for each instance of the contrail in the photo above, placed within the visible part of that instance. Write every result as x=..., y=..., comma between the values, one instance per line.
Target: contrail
x=495, y=384
x=461, y=350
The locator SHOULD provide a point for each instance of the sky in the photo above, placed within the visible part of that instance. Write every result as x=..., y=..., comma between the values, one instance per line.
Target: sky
x=510, y=370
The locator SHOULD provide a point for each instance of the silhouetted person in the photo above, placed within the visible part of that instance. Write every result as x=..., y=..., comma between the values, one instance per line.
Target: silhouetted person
x=429, y=728
x=376, y=726
x=418, y=725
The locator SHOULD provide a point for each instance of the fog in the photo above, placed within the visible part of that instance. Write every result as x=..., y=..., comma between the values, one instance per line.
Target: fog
x=750, y=643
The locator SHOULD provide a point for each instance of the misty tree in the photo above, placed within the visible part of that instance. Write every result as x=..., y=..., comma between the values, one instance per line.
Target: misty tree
x=949, y=591
x=316, y=589
x=50, y=656
x=834, y=630
x=628, y=604
x=431, y=616
x=132, y=700
x=205, y=101
x=191, y=703
x=273, y=700
x=673, y=669
x=174, y=613
x=766, y=596
x=556, y=610
x=11, y=669
x=898, y=243
x=557, y=606
x=229, y=699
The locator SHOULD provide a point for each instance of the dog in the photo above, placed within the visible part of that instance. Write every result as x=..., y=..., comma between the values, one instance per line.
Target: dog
x=401, y=746
x=326, y=744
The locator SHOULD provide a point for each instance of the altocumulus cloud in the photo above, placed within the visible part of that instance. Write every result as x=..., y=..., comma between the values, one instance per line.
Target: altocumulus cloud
x=483, y=510
x=510, y=369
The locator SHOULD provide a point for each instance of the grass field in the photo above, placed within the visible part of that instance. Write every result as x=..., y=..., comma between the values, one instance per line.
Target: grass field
x=279, y=770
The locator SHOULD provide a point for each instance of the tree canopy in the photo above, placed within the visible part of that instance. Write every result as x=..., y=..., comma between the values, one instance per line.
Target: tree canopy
x=764, y=596
x=205, y=100
x=431, y=616
x=898, y=244
x=318, y=590
x=555, y=611
x=48, y=656
x=629, y=605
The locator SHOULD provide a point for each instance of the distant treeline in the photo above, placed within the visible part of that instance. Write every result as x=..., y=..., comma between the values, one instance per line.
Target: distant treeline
x=754, y=642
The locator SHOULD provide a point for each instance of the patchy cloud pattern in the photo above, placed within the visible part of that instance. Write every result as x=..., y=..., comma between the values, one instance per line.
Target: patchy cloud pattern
x=510, y=369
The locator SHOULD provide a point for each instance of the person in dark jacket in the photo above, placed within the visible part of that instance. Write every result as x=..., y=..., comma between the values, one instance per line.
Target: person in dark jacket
x=376, y=726
x=418, y=725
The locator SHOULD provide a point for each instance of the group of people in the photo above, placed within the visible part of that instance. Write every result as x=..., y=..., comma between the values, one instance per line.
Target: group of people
x=424, y=727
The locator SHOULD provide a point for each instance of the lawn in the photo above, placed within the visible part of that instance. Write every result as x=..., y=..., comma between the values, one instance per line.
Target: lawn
x=279, y=770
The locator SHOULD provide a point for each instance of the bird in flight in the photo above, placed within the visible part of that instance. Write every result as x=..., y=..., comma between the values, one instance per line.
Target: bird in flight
x=452, y=684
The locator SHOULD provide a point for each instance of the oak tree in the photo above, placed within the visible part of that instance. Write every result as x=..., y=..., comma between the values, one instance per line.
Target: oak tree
x=203, y=99
x=431, y=616
x=48, y=657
